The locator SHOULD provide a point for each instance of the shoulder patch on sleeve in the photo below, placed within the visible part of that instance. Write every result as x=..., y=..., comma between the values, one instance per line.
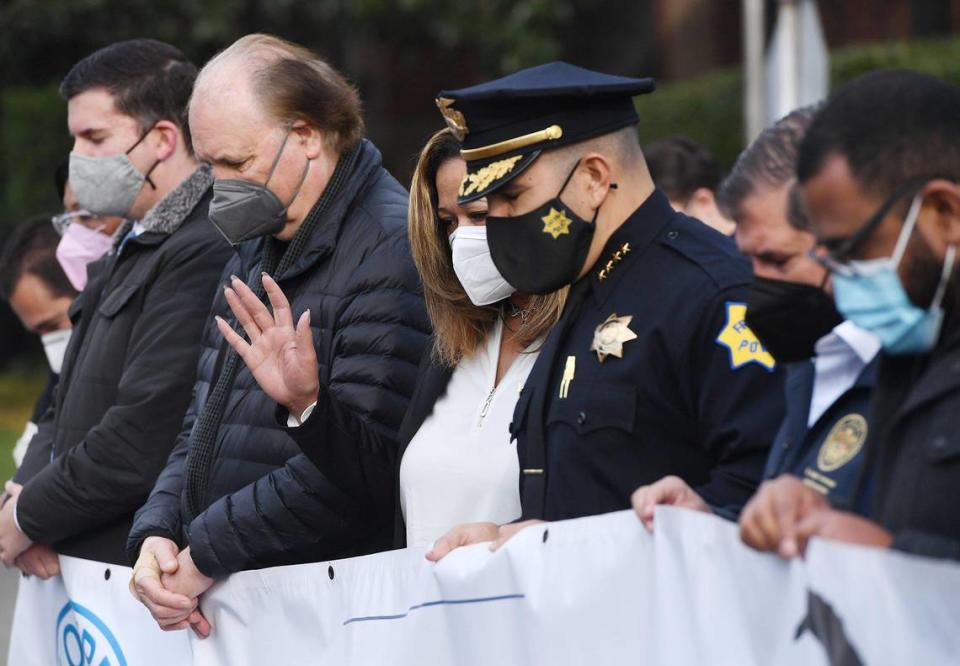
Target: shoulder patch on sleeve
x=743, y=345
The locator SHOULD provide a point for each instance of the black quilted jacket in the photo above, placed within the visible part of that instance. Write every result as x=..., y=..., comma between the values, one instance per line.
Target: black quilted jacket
x=266, y=503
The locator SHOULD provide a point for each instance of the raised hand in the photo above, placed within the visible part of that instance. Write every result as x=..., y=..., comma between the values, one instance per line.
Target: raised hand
x=282, y=358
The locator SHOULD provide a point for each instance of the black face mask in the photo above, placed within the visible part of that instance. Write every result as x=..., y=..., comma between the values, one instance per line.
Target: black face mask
x=543, y=250
x=788, y=318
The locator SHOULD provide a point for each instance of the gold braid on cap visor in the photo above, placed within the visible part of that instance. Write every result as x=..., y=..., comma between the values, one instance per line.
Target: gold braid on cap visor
x=552, y=133
x=479, y=181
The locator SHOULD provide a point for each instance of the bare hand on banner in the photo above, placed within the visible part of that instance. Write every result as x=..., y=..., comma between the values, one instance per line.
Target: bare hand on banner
x=158, y=557
x=12, y=540
x=846, y=527
x=471, y=533
x=190, y=582
x=770, y=521
x=671, y=491
x=282, y=358
x=39, y=560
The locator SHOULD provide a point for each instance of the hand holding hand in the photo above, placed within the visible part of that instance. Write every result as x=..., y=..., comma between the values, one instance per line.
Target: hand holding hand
x=158, y=557
x=12, y=541
x=190, y=582
x=39, y=560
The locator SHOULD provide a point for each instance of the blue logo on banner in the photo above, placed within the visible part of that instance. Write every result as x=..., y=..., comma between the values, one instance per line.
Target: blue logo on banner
x=84, y=640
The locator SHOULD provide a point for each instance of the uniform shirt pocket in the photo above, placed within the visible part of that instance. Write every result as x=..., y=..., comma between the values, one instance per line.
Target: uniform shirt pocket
x=602, y=407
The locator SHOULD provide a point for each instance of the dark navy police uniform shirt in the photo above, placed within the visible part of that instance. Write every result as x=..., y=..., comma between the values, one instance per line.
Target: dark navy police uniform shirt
x=693, y=394
x=828, y=456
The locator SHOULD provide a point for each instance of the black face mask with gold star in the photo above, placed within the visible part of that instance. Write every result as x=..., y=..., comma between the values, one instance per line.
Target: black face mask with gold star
x=543, y=250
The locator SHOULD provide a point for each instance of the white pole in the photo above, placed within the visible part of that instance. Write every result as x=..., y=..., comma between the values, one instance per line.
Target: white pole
x=754, y=113
x=789, y=56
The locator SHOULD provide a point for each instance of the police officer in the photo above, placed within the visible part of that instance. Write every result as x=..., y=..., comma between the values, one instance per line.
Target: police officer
x=652, y=370
x=883, y=200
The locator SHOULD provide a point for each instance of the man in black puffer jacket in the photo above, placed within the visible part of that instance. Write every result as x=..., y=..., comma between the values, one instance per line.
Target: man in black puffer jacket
x=283, y=133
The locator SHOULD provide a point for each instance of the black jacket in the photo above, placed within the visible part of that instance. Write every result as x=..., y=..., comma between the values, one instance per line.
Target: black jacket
x=369, y=473
x=913, y=450
x=126, y=380
x=266, y=503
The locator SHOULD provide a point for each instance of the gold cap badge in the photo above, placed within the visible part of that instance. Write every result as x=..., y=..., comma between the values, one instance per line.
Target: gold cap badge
x=455, y=120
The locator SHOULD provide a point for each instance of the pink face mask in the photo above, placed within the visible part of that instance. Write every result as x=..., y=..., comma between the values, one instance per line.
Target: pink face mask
x=78, y=247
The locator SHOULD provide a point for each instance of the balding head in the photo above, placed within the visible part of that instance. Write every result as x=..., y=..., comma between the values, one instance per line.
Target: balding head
x=273, y=113
x=275, y=80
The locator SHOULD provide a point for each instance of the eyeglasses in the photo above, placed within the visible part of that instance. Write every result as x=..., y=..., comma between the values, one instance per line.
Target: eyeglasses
x=837, y=260
x=64, y=220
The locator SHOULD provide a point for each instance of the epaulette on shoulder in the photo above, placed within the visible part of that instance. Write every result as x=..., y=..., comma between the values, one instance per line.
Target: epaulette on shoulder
x=714, y=253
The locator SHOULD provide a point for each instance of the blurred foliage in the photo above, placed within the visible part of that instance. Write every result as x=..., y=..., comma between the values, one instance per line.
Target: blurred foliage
x=33, y=140
x=514, y=32
x=382, y=44
x=708, y=109
x=17, y=395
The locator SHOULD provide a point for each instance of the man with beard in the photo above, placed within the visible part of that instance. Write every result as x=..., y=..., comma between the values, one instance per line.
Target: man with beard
x=878, y=172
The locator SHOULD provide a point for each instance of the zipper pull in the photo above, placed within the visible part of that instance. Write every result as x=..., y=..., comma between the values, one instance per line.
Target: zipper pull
x=486, y=405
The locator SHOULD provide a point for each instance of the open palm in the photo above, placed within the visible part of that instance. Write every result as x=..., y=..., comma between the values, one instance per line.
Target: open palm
x=280, y=356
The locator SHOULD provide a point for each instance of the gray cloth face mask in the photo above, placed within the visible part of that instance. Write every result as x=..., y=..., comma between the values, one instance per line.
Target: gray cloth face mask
x=242, y=210
x=108, y=186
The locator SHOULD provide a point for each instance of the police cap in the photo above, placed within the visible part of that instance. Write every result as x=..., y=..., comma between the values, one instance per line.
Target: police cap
x=505, y=124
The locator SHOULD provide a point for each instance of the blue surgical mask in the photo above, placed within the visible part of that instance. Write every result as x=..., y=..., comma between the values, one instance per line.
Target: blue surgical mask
x=871, y=295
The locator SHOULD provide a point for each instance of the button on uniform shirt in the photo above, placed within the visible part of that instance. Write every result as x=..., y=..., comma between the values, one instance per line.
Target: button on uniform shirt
x=652, y=371
x=822, y=438
x=461, y=466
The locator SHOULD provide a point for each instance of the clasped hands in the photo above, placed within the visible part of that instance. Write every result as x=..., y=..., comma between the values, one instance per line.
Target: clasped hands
x=168, y=583
x=16, y=548
x=282, y=359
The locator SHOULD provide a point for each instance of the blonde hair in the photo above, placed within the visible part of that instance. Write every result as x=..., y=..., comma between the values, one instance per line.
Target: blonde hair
x=294, y=83
x=459, y=326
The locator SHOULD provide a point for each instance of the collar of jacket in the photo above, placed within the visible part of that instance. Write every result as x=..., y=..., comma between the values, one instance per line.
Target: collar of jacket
x=941, y=369
x=327, y=231
x=172, y=210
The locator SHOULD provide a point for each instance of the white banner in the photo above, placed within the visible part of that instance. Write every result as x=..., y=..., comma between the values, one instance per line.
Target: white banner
x=594, y=591
x=87, y=617
x=597, y=591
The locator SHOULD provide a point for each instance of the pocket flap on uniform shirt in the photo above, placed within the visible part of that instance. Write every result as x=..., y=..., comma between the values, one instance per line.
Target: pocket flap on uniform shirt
x=115, y=301
x=603, y=406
